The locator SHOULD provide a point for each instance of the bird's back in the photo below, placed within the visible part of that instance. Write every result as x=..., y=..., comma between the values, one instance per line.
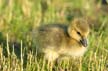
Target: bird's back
x=51, y=36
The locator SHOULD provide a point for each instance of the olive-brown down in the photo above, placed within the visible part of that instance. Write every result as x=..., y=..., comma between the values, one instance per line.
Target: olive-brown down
x=55, y=40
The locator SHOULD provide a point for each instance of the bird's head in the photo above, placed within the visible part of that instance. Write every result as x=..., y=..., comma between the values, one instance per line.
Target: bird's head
x=79, y=30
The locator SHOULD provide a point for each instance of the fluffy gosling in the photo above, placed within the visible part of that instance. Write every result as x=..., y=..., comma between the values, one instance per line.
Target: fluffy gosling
x=55, y=40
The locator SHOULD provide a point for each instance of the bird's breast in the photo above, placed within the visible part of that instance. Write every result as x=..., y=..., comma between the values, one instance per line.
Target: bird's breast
x=73, y=51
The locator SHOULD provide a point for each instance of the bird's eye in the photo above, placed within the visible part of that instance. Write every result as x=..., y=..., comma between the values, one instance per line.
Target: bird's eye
x=78, y=33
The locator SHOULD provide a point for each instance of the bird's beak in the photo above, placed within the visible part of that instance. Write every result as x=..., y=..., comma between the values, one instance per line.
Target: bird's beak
x=84, y=42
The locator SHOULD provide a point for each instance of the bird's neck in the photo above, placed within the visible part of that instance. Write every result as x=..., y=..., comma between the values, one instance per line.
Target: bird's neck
x=73, y=42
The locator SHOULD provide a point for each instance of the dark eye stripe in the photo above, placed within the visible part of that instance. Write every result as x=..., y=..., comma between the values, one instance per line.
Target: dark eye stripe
x=78, y=33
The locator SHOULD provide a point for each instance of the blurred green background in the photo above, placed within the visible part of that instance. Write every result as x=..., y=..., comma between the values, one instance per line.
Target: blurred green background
x=18, y=18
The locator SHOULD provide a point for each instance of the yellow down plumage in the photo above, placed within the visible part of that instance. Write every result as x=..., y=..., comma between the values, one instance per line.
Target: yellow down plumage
x=55, y=40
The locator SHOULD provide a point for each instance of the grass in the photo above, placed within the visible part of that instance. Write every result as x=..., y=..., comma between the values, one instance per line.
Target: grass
x=18, y=18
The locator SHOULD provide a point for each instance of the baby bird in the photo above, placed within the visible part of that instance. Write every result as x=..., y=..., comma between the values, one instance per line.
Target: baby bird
x=55, y=40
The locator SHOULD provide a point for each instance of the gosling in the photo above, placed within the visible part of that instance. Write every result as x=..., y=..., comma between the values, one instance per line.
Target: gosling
x=55, y=40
